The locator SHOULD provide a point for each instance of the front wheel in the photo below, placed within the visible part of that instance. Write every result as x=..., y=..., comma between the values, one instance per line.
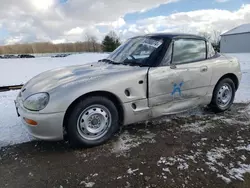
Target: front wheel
x=92, y=122
x=223, y=95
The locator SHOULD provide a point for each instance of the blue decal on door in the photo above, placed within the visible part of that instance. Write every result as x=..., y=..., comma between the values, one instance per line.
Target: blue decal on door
x=177, y=88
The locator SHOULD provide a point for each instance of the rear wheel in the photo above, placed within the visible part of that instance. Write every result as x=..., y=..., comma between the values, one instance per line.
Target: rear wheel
x=223, y=95
x=92, y=122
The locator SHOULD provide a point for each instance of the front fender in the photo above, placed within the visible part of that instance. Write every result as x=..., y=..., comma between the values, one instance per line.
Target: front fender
x=134, y=83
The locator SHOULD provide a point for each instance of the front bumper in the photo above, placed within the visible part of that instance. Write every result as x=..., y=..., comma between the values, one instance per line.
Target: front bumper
x=49, y=126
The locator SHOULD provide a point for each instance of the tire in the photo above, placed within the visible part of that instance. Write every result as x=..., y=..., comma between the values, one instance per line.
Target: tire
x=223, y=95
x=92, y=122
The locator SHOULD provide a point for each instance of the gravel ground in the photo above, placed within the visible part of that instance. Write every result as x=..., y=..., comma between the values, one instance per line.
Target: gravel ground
x=195, y=149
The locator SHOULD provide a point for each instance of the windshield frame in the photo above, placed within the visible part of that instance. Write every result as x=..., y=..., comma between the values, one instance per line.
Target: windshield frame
x=153, y=60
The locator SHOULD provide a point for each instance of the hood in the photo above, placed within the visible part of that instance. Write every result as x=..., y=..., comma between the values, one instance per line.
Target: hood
x=51, y=79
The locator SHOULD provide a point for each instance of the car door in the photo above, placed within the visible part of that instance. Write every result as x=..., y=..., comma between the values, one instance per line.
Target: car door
x=185, y=78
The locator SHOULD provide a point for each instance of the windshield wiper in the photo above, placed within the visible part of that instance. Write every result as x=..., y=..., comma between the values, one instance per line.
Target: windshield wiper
x=133, y=63
x=108, y=61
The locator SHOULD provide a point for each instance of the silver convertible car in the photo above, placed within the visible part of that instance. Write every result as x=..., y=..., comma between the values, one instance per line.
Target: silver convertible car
x=146, y=77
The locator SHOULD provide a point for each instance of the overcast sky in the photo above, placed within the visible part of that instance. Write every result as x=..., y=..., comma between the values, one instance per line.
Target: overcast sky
x=69, y=20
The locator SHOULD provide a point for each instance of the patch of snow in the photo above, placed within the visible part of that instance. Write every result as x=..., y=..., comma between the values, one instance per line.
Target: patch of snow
x=237, y=173
x=229, y=121
x=233, y=121
x=128, y=185
x=240, y=141
x=247, y=148
x=217, y=118
x=225, y=179
x=232, y=172
x=243, y=93
x=80, y=154
x=171, y=161
x=149, y=136
x=247, y=110
x=191, y=157
x=162, y=120
x=12, y=131
x=166, y=170
x=126, y=141
x=204, y=139
x=198, y=127
x=217, y=153
x=231, y=165
x=211, y=167
x=87, y=184
x=213, y=156
x=243, y=158
x=130, y=171
x=183, y=166
x=161, y=161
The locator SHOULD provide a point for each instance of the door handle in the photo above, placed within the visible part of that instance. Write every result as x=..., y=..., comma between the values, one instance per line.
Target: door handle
x=204, y=69
x=172, y=66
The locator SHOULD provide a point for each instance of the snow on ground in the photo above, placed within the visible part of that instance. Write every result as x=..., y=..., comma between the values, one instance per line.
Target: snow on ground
x=243, y=93
x=87, y=184
x=130, y=171
x=247, y=148
x=126, y=141
x=214, y=160
x=12, y=130
x=232, y=171
x=19, y=71
x=198, y=127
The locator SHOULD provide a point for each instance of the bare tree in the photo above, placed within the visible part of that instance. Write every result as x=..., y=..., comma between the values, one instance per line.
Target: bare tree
x=216, y=37
x=93, y=41
x=216, y=40
x=206, y=35
x=88, y=40
x=92, y=44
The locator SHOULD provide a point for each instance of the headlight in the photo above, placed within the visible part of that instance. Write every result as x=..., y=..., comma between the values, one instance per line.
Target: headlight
x=36, y=102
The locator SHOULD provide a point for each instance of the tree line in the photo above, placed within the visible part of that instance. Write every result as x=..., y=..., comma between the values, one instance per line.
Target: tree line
x=47, y=47
x=110, y=42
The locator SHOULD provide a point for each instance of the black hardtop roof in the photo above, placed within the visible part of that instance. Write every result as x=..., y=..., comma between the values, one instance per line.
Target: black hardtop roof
x=174, y=35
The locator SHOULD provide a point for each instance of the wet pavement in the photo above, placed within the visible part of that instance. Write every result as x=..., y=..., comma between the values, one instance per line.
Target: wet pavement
x=195, y=149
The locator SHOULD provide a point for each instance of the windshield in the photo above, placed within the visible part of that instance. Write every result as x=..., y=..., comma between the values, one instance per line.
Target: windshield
x=135, y=51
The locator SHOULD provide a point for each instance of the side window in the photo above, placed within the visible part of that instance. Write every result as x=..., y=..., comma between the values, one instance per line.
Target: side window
x=188, y=50
x=210, y=50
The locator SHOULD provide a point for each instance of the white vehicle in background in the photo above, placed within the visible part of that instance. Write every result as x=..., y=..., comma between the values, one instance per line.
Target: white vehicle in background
x=146, y=77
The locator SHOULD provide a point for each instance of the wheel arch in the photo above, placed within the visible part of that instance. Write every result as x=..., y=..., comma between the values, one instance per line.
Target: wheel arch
x=115, y=99
x=233, y=77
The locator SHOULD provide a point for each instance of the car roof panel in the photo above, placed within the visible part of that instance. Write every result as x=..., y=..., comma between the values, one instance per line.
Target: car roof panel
x=173, y=35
